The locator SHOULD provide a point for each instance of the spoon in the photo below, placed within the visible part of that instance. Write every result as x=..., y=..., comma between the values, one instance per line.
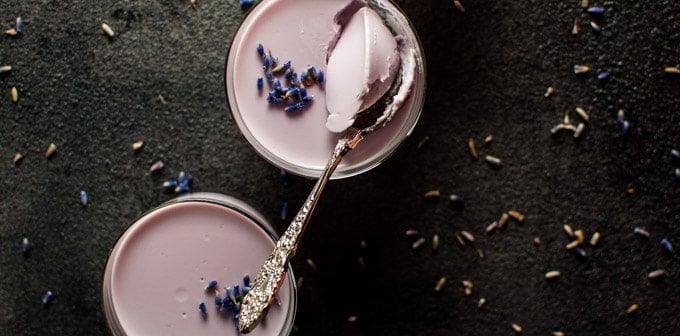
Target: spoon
x=271, y=275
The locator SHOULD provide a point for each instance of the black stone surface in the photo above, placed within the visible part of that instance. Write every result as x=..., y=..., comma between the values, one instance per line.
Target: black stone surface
x=487, y=71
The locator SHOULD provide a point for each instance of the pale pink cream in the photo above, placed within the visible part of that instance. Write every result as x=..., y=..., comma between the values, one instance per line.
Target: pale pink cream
x=157, y=272
x=304, y=31
x=361, y=67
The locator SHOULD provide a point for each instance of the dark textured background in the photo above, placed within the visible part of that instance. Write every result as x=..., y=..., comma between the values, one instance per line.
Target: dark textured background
x=487, y=71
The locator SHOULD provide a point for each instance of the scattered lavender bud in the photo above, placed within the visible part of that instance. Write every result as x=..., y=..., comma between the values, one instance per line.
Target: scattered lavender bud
x=25, y=245
x=595, y=10
x=666, y=245
x=47, y=297
x=604, y=75
x=83, y=197
x=212, y=284
x=246, y=3
x=156, y=166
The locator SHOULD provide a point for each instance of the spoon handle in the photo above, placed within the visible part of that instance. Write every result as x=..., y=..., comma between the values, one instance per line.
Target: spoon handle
x=271, y=274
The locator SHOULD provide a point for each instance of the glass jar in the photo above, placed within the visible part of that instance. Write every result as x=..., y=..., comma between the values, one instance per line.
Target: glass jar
x=157, y=272
x=298, y=142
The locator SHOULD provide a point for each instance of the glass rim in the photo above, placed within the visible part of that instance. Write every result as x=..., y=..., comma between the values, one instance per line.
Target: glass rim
x=417, y=93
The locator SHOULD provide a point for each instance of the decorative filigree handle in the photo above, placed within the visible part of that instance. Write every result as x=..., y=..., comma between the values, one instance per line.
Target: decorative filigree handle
x=271, y=274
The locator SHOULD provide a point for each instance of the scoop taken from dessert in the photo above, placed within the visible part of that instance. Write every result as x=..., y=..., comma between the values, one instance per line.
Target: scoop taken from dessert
x=362, y=65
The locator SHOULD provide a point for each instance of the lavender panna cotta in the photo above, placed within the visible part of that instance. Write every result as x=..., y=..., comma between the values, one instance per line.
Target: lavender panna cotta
x=165, y=274
x=363, y=54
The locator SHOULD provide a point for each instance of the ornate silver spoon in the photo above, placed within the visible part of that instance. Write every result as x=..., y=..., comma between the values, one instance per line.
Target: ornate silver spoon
x=271, y=274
